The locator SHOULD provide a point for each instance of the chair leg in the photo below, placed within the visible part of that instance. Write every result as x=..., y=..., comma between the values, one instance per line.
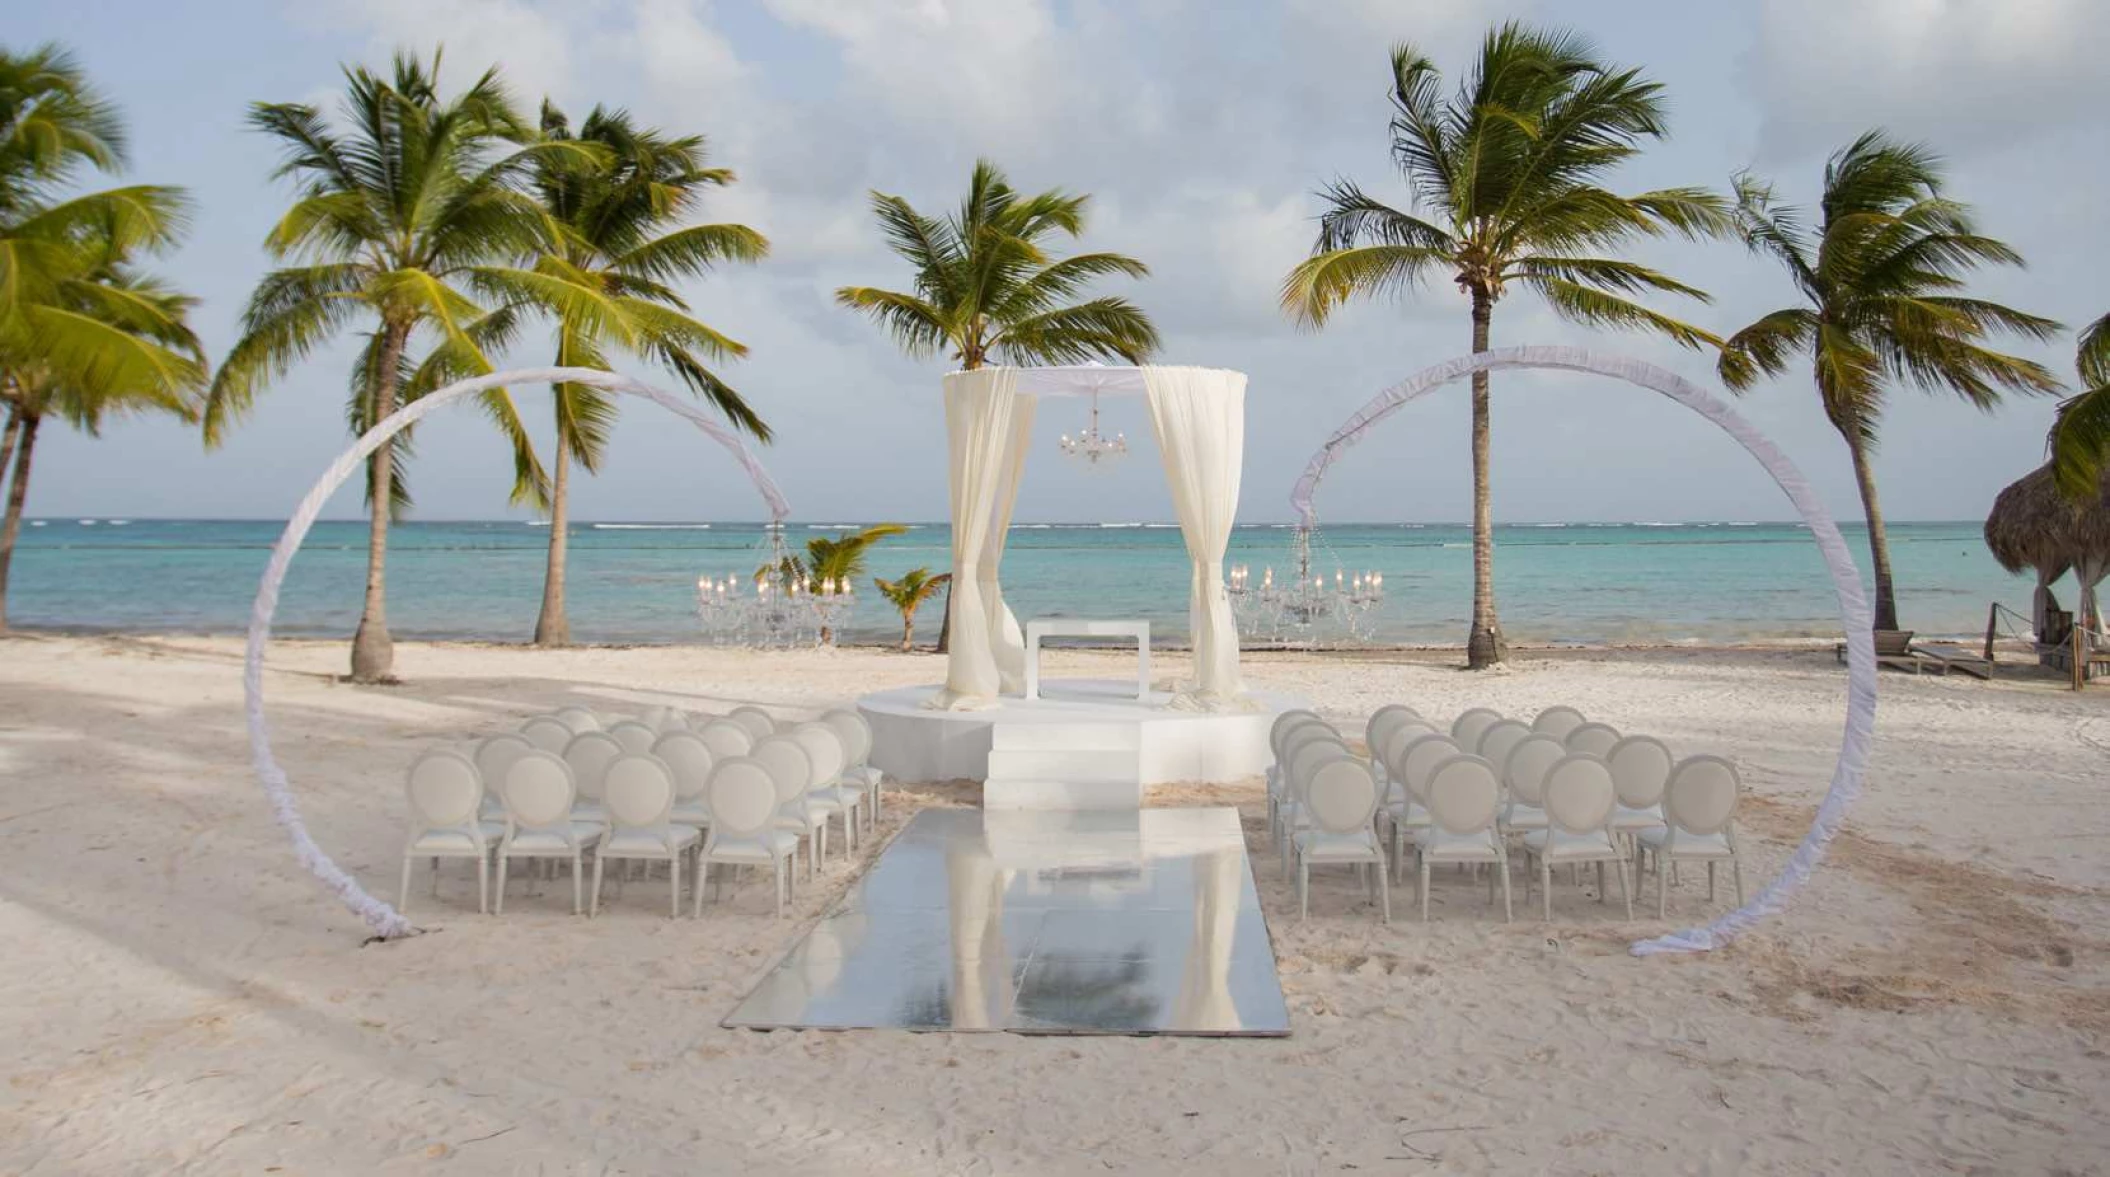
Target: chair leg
x=498, y=904
x=403, y=899
x=483, y=883
x=435, y=876
x=1662, y=887
x=1603, y=896
x=1710, y=880
x=1625, y=893
x=578, y=882
x=1303, y=890
x=778, y=865
x=1736, y=870
x=1384, y=893
x=1424, y=888
x=703, y=875
x=674, y=874
x=593, y=910
x=1509, y=915
x=1546, y=887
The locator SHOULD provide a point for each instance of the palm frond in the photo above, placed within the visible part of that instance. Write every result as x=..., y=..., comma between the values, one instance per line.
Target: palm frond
x=1595, y=308
x=1319, y=284
x=2080, y=443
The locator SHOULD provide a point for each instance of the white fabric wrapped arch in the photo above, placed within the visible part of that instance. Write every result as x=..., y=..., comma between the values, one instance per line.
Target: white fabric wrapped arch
x=1854, y=744
x=385, y=921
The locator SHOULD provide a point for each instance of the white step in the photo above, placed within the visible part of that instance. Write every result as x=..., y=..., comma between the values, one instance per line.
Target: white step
x=1066, y=794
x=1084, y=766
x=1025, y=737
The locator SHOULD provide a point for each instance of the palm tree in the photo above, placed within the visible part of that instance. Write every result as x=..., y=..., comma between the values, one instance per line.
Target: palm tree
x=410, y=198
x=83, y=335
x=2080, y=441
x=908, y=595
x=987, y=286
x=830, y=565
x=616, y=245
x=1505, y=175
x=1881, y=282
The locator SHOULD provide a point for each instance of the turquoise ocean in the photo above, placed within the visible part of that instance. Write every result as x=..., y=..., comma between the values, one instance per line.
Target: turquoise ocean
x=1572, y=583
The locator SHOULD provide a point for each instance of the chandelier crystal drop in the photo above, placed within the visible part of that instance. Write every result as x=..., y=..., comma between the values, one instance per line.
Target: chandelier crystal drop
x=776, y=607
x=1305, y=608
x=1092, y=446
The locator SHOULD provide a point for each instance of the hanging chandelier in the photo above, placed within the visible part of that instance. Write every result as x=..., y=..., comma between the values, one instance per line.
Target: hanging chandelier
x=1092, y=446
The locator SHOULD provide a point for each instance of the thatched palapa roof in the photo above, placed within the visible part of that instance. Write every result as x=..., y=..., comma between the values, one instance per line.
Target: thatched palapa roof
x=2033, y=527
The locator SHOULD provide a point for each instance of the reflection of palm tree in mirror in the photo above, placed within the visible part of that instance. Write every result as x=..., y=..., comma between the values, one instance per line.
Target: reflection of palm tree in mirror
x=1205, y=1001
x=1093, y=994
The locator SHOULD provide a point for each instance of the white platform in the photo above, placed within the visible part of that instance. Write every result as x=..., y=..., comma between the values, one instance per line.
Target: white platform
x=1083, y=744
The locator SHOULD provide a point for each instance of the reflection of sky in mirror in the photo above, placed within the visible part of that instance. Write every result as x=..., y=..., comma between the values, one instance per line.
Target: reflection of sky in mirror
x=1121, y=922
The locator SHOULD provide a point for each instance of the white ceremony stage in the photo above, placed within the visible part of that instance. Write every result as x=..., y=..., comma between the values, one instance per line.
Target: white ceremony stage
x=1083, y=744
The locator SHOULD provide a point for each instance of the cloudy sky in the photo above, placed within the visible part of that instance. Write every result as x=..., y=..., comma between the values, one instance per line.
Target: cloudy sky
x=1201, y=127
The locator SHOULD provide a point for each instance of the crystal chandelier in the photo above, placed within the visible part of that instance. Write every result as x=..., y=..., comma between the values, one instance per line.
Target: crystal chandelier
x=777, y=607
x=1093, y=446
x=1304, y=606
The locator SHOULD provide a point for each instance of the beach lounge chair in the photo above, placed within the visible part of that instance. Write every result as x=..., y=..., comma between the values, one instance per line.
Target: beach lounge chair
x=1956, y=658
x=639, y=794
x=1580, y=800
x=744, y=829
x=1464, y=797
x=1894, y=650
x=1341, y=798
x=446, y=794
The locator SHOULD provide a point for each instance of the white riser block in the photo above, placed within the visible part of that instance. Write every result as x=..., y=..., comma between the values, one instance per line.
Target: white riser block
x=1071, y=764
x=1066, y=794
x=1026, y=737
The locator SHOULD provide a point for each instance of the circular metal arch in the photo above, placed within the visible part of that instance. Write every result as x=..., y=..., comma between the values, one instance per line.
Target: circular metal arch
x=385, y=920
x=1852, y=764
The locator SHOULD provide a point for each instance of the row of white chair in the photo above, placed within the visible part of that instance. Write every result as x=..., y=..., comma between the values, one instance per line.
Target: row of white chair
x=624, y=790
x=1573, y=792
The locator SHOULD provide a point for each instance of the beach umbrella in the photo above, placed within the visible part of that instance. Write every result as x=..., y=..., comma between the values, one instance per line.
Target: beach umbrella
x=2032, y=526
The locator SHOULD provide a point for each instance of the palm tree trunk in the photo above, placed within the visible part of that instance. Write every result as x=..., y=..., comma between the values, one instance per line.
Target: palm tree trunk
x=7, y=441
x=908, y=632
x=551, y=628
x=373, y=651
x=1484, y=646
x=1878, y=541
x=22, y=433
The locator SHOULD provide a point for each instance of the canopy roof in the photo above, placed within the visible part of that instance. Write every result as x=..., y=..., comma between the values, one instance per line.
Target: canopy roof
x=1084, y=380
x=2032, y=526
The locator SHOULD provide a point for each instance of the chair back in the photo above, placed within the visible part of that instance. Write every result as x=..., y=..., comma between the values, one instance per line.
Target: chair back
x=1341, y=795
x=1579, y=794
x=855, y=733
x=1463, y=795
x=1405, y=732
x=665, y=719
x=1382, y=722
x=639, y=793
x=1558, y=722
x=1702, y=794
x=497, y=753
x=1471, y=724
x=726, y=739
x=754, y=719
x=1525, y=770
x=1500, y=738
x=1285, y=721
x=825, y=751
x=1420, y=758
x=1640, y=769
x=1308, y=756
x=445, y=789
x=787, y=764
x=1304, y=733
x=548, y=733
x=578, y=719
x=538, y=792
x=743, y=798
x=636, y=738
x=689, y=759
x=589, y=754
x=1595, y=739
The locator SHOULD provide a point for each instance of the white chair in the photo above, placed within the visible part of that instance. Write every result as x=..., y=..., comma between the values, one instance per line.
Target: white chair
x=548, y=733
x=856, y=735
x=446, y=794
x=1341, y=799
x=690, y=760
x=1278, y=737
x=1463, y=796
x=639, y=793
x=1592, y=739
x=825, y=749
x=725, y=739
x=1409, y=811
x=578, y=719
x=744, y=829
x=1579, y=804
x=1524, y=781
x=1500, y=737
x=757, y=721
x=538, y=793
x=1382, y=722
x=1471, y=724
x=1306, y=756
x=665, y=719
x=636, y=738
x=792, y=769
x=1397, y=736
x=1295, y=737
x=1641, y=767
x=589, y=754
x=1699, y=822
x=1558, y=722
x=493, y=756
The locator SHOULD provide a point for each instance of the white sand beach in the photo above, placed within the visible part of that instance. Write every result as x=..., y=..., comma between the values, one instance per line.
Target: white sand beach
x=179, y=996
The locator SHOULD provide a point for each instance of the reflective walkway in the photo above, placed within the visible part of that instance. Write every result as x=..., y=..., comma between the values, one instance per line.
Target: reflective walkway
x=1125, y=922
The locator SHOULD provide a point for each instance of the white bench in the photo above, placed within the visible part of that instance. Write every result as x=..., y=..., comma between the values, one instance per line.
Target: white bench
x=1077, y=627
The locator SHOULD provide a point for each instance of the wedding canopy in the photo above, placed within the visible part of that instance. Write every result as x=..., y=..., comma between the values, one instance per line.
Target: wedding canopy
x=1198, y=417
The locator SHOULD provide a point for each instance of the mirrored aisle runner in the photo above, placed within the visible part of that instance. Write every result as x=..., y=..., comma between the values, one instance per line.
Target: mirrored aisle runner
x=1114, y=922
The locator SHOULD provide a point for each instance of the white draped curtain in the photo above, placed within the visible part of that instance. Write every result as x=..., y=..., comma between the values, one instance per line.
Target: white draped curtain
x=986, y=425
x=1198, y=415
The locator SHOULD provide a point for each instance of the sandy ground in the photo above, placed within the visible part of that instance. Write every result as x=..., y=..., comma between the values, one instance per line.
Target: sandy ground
x=177, y=996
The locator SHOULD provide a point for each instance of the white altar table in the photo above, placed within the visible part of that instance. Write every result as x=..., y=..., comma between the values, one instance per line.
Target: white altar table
x=1079, y=627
